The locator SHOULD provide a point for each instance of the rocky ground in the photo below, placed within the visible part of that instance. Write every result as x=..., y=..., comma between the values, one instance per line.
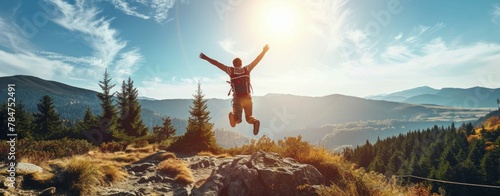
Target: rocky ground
x=145, y=180
x=258, y=174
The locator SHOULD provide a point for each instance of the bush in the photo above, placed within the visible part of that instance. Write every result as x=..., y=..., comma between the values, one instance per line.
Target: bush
x=165, y=144
x=113, y=146
x=36, y=152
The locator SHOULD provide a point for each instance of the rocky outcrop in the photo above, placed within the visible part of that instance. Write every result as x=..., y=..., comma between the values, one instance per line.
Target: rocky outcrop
x=260, y=174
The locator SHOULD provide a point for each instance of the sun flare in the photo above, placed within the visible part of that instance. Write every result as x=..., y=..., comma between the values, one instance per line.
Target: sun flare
x=281, y=20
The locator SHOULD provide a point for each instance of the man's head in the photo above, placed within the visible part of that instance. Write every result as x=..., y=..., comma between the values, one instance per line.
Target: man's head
x=237, y=62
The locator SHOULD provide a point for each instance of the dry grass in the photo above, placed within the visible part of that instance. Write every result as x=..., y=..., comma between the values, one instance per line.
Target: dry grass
x=145, y=149
x=166, y=156
x=177, y=168
x=79, y=175
x=205, y=153
x=210, y=154
x=121, y=158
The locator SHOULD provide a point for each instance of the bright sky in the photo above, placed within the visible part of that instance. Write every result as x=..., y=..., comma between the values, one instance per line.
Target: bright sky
x=318, y=47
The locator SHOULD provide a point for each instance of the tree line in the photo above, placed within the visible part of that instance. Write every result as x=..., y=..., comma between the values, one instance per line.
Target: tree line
x=120, y=121
x=460, y=154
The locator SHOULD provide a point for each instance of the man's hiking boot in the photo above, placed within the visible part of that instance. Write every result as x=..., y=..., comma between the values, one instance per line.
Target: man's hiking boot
x=232, y=122
x=256, y=125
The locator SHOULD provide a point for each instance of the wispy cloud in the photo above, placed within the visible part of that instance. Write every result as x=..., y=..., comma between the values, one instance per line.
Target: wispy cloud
x=329, y=21
x=436, y=59
x=32, y=64
x=127, y=64
x=398, y=37
x=11, y=37
x=496, y=14
x=127, y=9
x=422, y=32
x=83, y=61
x=155, y=9
x=161, y=8
x=230, y=46
x=97, y=31
x=398, y=53
x=360, y=49
x=435, y=46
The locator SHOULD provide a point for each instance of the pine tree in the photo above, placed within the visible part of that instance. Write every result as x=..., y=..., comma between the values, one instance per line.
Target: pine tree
x=490, y=164
x=3, y=121
x=199, y=128
x=47, y=122
x=199, y=135
x=23, y=122
x=394, y=163
x=476, y=151
x=88, y=123
x=130, y=111
x=123, y=108
x=166, y=131
x=107, y=120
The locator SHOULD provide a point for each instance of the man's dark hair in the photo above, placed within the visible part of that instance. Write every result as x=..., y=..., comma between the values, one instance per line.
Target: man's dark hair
x=237, y=62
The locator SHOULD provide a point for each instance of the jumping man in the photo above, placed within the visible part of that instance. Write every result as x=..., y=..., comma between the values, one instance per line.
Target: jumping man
x=241, y=87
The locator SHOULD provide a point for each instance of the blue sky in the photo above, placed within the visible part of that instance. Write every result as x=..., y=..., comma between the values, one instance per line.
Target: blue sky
x=318, y=47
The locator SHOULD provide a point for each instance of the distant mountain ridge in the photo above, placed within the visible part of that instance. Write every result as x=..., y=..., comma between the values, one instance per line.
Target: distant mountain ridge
x=475, y=97
x=280, y=114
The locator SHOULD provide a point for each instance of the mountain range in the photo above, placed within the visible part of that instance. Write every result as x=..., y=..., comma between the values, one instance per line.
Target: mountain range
x=280, y=114
x=475, y=97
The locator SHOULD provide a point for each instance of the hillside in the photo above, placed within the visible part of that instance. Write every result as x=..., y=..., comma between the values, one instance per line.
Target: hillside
x=464, y=154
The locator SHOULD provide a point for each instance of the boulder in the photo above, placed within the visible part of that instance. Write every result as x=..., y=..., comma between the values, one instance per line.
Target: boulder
x=205, y=162
x=260, y=174
x=24, y=169
x=137, y=168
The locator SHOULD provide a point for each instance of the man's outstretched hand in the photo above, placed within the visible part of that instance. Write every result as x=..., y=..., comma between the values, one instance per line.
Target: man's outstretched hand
x=266, y=48
x=203, y=56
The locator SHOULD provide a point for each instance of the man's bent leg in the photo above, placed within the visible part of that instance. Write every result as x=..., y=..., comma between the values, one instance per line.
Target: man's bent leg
x=235, y=115
x=248, y=107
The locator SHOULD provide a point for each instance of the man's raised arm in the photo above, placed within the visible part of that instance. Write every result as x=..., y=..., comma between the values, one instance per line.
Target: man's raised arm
x=257, y=60
x=214, y=62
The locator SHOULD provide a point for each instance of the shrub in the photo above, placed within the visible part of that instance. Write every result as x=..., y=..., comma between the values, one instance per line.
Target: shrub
x=40, y=151
x=165, y=144
x=113, y=146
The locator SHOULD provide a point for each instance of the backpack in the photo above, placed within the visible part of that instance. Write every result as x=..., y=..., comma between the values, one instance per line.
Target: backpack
x=240, y=83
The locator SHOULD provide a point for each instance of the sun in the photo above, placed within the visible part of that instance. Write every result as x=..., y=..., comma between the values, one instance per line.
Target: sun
x=281, y=20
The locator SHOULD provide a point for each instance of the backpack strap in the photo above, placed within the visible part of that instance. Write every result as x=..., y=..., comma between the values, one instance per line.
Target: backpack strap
x=231, y=89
